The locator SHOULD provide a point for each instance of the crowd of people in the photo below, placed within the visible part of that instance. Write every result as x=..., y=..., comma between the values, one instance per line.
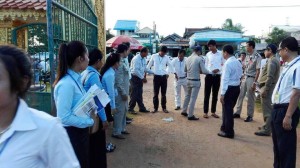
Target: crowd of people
x=74, y=141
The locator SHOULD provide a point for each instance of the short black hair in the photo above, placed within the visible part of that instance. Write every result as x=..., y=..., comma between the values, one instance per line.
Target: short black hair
x=18, y=66
x=182, y=51
x=94, y=56
x=242, y=53
x=228, y=48
x=211, y=42
x=251, y=43
x=163, y=49
x=290, y=42
x=126, y=43
x=144, y=49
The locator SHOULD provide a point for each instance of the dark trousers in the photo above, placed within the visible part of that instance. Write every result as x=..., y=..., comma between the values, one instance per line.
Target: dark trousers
x=98, y=148
x=212, y=83
x=136, y=93
x=79, y=138
x=160, y=82
x=109, y=116
x=230, y=99
x=285, y=142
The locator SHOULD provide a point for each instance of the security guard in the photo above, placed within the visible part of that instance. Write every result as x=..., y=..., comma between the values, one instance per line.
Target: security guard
x=193, y=67
x=248, y=84
x=285, y=99
x=267, y=80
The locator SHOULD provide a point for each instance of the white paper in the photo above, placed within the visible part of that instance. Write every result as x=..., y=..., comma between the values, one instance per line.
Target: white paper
x=103, y=97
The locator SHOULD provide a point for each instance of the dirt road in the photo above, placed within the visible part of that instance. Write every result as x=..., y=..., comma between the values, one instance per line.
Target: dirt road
x=154, y=143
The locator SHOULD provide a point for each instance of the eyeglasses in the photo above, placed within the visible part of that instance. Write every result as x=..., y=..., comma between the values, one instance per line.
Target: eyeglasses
x=279, y=49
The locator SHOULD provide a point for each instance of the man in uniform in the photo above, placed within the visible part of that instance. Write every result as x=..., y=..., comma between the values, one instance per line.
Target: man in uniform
x=180, y=77
x=248, y=85
x=285, y=99
x=194, y=66
x=214, y=62
x=267, y=81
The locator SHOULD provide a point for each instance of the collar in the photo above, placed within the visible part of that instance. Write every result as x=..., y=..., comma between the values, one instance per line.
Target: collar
x=90, y=68
x=74, y=74
x=22, y=121
x=294, y=60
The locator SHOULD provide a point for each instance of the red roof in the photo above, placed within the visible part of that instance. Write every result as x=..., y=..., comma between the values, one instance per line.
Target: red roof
x=23, y=4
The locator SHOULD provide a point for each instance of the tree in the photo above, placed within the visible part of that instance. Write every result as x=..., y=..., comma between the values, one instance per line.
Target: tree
x=256, y=40
x=228, y=25
x=276, y=36
x=109, y=35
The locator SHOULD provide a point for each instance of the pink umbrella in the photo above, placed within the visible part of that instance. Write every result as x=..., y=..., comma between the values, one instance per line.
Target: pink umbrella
x=115, y=41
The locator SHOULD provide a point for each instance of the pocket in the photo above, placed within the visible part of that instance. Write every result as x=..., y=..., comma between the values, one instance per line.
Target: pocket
x=279, y=116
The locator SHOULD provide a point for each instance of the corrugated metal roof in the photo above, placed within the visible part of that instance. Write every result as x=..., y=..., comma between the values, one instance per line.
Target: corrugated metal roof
x=23, y=4
x=126, y=25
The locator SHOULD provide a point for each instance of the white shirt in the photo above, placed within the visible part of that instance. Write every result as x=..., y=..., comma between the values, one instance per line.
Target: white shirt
x=138, y=66
x=214, y=61
x=179, y=67
x=289, y=79
x=232, y=74
x=36, y=140
x=160, y=64
x=263, y=63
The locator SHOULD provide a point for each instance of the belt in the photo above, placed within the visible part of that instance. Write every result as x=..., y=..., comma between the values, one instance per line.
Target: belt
x=248, y=76
x=278, y=106
x=160, y=75
x=214, y=74
x=181, y=77
x=194, y=79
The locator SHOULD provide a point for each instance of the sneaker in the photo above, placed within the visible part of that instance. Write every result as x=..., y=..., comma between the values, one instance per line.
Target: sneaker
x=236, y=115
x=248, y=119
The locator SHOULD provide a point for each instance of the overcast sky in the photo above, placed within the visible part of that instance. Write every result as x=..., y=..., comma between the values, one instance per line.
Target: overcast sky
x=173, y=16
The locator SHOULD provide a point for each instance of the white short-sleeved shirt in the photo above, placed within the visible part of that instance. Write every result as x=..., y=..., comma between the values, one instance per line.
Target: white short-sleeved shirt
x=289, y=79
x=36, y=140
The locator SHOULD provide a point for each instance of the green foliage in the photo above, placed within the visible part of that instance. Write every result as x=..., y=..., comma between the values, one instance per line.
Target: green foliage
x=109, y=35
x=188, y=52
x=228, y=25
x=256, y=40
x=276, y=36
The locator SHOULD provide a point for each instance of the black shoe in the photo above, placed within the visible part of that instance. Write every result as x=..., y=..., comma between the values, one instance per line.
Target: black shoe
x=128, y=119
x=165, y=111
x=125, y=132
x=184, y=114
x=248, y=119
x=154, y=111
x=193, y=118
x=118, y=136
x=224, y=135
x=144, y=111
x=262, y=133
x=236, y=115
x=177, y=108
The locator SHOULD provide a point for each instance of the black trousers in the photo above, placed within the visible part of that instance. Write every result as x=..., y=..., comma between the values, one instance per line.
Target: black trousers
x=160, y=82
x=98, y=148
x=212, y=83
x=230, y=99
x=285, y=142
x=136, y=93
x=79, y=138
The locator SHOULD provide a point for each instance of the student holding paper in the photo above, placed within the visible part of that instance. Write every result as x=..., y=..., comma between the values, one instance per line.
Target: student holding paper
x=90, y=77
x=68, y=90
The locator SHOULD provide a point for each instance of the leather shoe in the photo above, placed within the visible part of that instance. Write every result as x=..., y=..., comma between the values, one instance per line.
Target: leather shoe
x=144, y=111
x=154, y=111
x=184, y=114
x=118, y=136
x=193, y=118
x=177, y=108
x=225, y=135
x=262, y=133
x=165, y=111
x=248, y=119
x=125, y=132
x=236, y=115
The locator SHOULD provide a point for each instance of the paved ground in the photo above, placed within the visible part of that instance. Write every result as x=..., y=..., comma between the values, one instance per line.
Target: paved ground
x=154, y=143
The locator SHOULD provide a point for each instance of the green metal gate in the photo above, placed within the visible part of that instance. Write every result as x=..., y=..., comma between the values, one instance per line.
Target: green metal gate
x=69, y=20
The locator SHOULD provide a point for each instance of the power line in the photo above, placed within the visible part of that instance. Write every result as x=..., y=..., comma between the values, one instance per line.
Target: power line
x=240, y=7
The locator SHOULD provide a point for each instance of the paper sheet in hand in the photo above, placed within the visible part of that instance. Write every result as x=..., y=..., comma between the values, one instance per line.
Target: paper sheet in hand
x=103, y=97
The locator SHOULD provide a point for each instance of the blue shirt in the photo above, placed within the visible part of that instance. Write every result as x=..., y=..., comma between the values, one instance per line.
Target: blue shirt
x=90, y=77
x=108, y=82
x=67, y=92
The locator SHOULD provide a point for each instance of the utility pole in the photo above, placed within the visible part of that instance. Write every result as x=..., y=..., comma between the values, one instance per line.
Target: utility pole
x=154, y=35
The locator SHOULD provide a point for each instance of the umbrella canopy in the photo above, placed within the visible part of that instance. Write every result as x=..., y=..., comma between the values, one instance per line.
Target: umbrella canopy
x=115, y=41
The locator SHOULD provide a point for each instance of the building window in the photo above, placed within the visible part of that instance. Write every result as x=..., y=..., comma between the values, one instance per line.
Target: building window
x=122, y=32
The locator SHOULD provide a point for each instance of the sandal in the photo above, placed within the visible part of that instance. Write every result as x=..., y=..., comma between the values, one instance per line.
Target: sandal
x=215, y=115
x=205, y=116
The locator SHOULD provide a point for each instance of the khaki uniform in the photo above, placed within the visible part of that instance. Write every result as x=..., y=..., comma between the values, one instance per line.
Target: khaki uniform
x=122, y=85
x=267, y=81
x=194, y=66
x=252, y=63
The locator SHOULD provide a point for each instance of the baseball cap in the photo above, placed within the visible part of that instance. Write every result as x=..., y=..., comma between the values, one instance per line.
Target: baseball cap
x=272, y=47
x=197, y=48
